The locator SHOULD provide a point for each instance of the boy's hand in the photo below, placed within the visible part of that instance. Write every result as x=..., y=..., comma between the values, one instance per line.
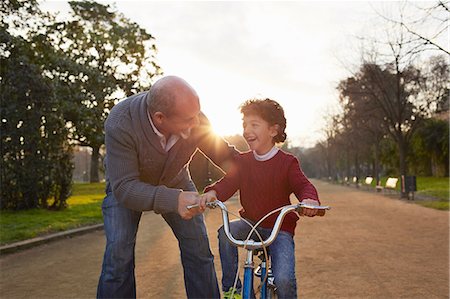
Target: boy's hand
x=309, y=212
x=207, y=197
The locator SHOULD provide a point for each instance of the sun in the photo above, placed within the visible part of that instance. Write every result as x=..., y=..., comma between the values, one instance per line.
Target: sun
x=225, y=124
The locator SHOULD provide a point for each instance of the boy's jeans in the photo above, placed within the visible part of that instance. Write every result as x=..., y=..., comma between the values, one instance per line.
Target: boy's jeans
x=117, y=279
x=282, y=252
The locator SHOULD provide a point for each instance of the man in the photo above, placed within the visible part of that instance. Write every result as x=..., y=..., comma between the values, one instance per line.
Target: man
x=150, y=139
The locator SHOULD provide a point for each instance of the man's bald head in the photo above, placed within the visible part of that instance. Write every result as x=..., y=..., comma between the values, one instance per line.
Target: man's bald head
x=168, y=93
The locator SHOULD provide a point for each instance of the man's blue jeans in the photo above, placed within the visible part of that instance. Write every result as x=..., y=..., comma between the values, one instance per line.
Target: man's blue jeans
x=117, y=279
x=282, y=252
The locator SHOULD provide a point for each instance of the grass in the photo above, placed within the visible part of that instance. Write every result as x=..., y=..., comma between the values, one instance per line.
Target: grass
x=84, y=208
x=435, y=187
x=432, y=187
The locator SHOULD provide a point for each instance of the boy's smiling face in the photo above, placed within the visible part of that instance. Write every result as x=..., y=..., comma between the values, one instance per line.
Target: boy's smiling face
x=258, y=133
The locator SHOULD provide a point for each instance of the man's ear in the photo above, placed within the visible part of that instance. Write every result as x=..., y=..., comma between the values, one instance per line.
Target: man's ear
x=158, y=117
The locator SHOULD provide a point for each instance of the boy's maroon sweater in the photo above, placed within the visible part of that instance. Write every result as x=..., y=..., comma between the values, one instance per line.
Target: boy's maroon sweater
x=265, y=186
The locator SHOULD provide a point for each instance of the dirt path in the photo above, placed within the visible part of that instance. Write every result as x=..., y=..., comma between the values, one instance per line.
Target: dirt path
x=368, y=246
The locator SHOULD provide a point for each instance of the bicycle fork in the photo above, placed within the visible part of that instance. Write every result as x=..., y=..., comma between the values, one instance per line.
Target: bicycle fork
x=263, y=275
x=248, y=276
x=267, y=280
x=249, y=272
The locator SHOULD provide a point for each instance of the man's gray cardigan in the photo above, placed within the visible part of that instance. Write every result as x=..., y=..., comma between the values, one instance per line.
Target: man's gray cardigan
x=141, y=175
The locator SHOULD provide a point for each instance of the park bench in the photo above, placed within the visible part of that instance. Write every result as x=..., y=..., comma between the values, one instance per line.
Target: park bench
x=390, y=185
x=368, y=182
x=355, y=181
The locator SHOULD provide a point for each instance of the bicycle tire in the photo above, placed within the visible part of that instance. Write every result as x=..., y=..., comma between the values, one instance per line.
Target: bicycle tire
x=271, y=292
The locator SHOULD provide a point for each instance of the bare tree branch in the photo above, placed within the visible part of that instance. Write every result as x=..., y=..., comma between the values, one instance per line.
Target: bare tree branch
x=426, y=40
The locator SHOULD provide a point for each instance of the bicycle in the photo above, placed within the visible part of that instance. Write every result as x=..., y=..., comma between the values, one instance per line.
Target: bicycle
x=267, y=287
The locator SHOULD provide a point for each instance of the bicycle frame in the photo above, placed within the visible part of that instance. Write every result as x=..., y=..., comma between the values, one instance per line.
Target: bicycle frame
x=251, y=245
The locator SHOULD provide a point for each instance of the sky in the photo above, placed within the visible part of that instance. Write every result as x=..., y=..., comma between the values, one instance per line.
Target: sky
x=294, y=52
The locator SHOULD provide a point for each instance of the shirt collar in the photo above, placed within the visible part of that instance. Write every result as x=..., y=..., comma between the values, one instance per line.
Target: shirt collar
x=267, y=156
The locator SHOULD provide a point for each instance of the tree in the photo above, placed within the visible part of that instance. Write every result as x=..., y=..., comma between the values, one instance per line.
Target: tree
x=118, y=58
x=36, y=159
x=432, y=143
x=364, y=117
x=386, y=100
x=426, y=27
x=436, y=84
x=399, y=82
x=329, y=150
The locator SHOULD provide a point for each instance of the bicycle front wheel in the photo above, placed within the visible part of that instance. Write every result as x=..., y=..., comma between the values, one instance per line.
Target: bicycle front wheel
x=271, y=292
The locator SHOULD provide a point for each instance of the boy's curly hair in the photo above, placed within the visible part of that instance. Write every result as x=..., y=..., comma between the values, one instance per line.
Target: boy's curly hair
x=270, y=111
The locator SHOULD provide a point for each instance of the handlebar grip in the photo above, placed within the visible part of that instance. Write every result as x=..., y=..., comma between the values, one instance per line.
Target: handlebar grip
x=321, y=213
x=321, y=210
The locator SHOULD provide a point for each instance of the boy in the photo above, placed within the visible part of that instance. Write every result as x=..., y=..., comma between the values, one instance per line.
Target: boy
x=265, y=177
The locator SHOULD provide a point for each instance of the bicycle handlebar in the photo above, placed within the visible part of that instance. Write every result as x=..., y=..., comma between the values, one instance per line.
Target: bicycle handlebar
x=251, y=244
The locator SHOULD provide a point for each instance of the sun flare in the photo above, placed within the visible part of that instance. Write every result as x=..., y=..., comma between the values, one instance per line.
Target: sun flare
x=224, y=124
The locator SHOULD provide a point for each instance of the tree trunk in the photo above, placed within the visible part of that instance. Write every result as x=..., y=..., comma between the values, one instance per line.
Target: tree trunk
x=377, y=164
x=329, y=163
x=402, y=150
x=347, y=165
x=357, y=166
x=94, y=178
x=446, y=169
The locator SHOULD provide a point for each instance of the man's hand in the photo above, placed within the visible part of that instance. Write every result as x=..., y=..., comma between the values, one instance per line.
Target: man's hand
x=309, y=212
x=185, y=199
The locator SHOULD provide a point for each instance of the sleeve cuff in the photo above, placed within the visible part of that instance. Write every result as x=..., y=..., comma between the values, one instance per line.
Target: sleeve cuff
x=166, y=200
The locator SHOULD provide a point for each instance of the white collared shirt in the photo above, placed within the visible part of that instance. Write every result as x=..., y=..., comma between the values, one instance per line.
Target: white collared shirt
x=166, y=144
x=267, y=156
